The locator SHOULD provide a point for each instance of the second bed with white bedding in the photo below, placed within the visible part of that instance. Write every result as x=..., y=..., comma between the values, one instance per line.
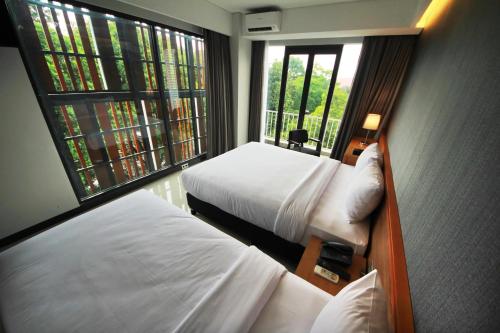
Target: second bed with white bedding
x=291, y=194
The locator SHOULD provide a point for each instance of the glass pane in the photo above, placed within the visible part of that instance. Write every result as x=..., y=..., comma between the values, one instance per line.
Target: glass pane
x=113, y=130
x=293, y=93
x=273, y=70
x=318, y=91
x=345, y=77
x=97, y=75
x=183, y=69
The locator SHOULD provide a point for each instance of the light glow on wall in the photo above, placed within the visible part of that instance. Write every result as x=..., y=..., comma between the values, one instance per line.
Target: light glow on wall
x=432, y=13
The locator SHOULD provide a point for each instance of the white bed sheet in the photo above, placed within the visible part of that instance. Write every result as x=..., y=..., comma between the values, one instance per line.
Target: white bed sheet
x=292, y=308
x=328, y=221
x=249, y=181
x=136, y=264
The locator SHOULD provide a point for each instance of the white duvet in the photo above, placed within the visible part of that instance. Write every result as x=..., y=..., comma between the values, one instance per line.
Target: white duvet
x=236, y=300
x=136, y=264
x=271, y=187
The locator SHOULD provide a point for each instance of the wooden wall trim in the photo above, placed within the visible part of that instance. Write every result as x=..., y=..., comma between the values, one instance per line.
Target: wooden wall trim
x=390, y=260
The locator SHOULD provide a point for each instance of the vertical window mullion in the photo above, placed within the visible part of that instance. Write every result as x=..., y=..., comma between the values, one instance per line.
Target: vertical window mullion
x=190, y=70
x=132, y=59
x=162, y=89
x=176, y=54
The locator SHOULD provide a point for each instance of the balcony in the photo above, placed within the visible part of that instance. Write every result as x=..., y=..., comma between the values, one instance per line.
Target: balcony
x=311, y=123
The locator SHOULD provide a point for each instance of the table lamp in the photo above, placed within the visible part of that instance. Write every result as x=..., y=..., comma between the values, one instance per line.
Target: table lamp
x=371, y=124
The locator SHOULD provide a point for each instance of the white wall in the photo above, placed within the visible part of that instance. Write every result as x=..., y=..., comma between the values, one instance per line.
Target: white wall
x=241, y=50
x=34, y=186
x=155, y=16
x=347, y=19
x=198, y=12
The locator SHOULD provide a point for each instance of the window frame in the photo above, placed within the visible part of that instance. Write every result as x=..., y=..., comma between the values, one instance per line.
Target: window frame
x=310, y=51
x=50, y=116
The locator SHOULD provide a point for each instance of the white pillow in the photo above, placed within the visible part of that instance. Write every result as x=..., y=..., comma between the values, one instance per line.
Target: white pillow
x=360, y=307
x=364, y=193
x=371, y=153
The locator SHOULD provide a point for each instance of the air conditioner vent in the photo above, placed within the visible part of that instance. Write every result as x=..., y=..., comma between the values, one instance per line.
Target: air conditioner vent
x=260, y=29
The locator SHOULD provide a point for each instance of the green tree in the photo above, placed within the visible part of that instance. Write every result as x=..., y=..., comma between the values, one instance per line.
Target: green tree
x=320, y=81
x=295, y=83
x=337, y=106
x=273, y=86
x=318, y=90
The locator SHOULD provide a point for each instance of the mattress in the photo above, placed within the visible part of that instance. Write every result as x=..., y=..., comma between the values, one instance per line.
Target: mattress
x=328, y=221
x=135, y=265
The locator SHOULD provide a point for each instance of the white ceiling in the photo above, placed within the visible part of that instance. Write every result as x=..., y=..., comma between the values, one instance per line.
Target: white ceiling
x=244, y=6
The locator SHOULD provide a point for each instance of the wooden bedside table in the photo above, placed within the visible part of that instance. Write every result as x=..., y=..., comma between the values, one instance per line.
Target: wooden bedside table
x=308, y=261
x=355, y=143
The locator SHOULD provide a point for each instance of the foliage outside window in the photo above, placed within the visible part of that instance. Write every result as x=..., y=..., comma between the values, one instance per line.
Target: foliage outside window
x=123, y=98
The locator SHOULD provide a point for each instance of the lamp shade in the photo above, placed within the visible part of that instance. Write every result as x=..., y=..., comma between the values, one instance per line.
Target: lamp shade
x=372, y=121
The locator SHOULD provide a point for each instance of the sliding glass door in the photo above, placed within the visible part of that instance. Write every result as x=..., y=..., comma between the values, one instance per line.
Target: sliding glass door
x=307, y=86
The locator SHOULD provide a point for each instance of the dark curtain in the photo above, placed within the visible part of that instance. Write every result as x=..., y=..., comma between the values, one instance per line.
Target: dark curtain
x=220, y=113
x=382, y=65
x=256, y=84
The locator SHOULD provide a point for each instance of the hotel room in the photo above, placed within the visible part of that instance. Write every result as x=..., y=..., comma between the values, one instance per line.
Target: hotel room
x=250, y=166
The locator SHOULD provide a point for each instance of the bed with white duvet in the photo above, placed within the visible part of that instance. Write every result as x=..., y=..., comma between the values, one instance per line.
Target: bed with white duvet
x=139, y=264
x=291, y=194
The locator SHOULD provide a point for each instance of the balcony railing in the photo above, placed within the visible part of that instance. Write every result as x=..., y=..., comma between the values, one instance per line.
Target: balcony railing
x=311, y=123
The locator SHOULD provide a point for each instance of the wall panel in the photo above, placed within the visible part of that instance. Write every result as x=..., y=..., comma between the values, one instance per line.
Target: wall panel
x=444, y=140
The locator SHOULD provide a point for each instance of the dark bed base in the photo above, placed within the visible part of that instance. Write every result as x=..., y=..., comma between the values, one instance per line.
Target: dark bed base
x=263, y=239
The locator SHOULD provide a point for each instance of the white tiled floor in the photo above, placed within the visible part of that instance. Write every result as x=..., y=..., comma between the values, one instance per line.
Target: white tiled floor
x=170, y=189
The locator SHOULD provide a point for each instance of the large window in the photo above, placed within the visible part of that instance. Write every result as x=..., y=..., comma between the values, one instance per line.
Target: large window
x=123, y=98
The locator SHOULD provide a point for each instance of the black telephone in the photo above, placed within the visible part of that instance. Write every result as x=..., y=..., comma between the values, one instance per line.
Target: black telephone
x=337, y=252
x=357, y=152
x=340, y=247
x=334, y=256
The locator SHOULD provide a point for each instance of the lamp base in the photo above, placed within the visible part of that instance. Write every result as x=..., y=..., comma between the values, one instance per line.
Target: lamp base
x=365, y=143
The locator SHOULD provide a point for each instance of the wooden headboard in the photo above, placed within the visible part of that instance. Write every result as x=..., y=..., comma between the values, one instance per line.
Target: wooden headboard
x=386, y=253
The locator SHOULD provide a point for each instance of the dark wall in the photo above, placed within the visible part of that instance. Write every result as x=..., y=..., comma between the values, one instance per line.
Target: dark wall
x=7, y=33
x=444, y=143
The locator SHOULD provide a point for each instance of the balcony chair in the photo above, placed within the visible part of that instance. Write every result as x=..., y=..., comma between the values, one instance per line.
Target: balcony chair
x=296, y=140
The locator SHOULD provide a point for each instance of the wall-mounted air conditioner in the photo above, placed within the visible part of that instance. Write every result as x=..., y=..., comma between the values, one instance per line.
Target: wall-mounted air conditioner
x=262, y=22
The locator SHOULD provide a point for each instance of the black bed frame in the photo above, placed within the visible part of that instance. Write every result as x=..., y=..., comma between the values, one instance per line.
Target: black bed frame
x=263, y=239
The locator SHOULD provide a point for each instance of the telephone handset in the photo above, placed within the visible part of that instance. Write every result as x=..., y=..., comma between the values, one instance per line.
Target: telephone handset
x=340, y=247
x=337, y=252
